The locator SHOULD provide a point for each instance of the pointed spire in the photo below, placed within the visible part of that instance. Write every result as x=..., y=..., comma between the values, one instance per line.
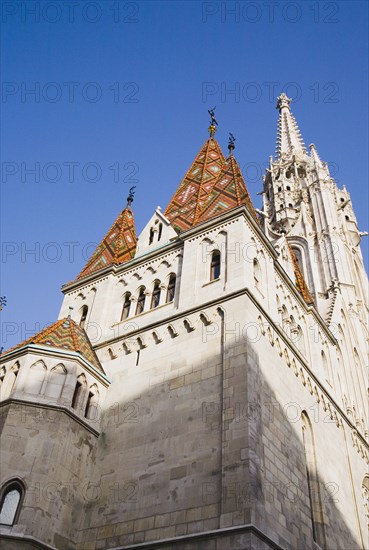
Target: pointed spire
x=195, y=186
x=314, y=155
x=65, y=334
x=228, y=191
x=289, y=140
x=118, y=245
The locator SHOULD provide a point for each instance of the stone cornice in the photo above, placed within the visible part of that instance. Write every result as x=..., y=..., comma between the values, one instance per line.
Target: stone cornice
x=46, y=406
x=58, y=354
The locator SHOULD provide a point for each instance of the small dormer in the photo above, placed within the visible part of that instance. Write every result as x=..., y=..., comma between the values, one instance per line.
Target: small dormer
x=158, y=232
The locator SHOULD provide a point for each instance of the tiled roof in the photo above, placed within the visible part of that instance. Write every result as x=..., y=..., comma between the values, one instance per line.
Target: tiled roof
x=118, y=245
x=65, y=334
x=299, y=278
x=228, y=191
x=193, y=191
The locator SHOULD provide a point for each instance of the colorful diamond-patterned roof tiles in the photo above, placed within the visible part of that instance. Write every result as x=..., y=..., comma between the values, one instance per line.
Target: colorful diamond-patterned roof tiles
x=228, y=191
x=192, y=192
x=65, y=334
x=118, y=245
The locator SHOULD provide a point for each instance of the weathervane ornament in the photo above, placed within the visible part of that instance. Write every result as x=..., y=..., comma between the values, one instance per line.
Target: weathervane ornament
x=213, y=122
x=231, y=141
x=131, y=195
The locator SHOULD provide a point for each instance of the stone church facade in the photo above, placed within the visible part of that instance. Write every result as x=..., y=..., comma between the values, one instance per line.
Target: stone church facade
x=206, y=384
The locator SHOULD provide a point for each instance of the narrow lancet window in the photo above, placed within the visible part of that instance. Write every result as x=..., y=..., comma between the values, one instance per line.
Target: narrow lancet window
x=215, y=265
x=171, y=288
x=126, y=306
x=83, y=316
x=155, y=300
x=141, y=301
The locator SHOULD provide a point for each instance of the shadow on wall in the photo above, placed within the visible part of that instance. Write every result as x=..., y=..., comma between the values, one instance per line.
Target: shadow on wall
x=163, y=467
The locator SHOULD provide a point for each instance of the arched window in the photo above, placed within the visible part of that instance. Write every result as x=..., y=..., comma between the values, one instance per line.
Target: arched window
x=151, y=236
x=313, y=481
x=8, y=380
x=365, y=493
x=10, y=503
x=141, y=301
x=84, y=312
x=79, y=390
x=171, y=288
x=36, y=378
x=215, y=265
x=92, y=403
x=298, y=256
x=155, y=300
x=126, y=306
x=326, y=368
x=257, y=273
x=13, y=377
x=55, y=382
x=160, y=231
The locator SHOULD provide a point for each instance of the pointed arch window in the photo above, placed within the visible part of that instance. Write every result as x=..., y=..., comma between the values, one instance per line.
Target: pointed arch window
x=92, y=403
x=55, y=383
x=313, y=481
x=78, y=392
x=155, y=300
x=171, y=288
x=84, y=312
x=160, y=231
x=215, y=265
x=10, y=503
x=141, y=300
x=13, y=377
x=327, y=374
x=151, y=235
x=126, y=306
x=257, y=273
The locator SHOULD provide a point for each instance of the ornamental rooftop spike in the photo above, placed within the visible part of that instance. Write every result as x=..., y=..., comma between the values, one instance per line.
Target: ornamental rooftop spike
x=289, y=140
x=231, y=145
x=213, y=122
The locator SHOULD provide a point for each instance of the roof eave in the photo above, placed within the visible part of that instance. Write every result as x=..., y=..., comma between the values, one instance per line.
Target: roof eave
x=52, y=351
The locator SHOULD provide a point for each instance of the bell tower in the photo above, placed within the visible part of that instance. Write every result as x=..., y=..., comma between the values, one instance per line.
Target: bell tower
x=303, y=202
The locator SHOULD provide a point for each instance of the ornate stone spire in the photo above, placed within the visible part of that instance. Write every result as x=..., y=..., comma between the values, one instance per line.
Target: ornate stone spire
x=289, y=139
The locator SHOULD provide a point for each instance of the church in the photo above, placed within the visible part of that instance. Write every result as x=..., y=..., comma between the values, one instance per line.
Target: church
x=205, y=385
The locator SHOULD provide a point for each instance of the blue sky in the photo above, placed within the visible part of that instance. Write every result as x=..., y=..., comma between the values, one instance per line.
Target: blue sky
x=121, y=92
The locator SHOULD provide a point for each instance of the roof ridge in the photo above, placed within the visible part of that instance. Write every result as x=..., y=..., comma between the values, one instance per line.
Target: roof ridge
x=73, y=335
x=116, y=247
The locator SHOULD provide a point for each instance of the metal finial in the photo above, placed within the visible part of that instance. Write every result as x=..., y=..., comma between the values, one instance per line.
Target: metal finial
x=213, y=122
x=131, y=195
x=231, y=144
